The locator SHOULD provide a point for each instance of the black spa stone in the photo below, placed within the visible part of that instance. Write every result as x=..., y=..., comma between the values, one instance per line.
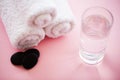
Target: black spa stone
x=16, y=58
x=34, y=51
x=30, y=60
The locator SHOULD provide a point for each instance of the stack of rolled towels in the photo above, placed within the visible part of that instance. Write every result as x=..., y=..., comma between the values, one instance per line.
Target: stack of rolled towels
x=27, y=22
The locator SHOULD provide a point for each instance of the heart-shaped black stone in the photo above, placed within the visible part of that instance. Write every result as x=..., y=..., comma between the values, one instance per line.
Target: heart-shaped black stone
x=16, y=58
x=28, y=59
x=35, y=51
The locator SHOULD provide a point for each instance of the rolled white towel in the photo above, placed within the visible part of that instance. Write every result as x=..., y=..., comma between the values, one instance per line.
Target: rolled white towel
x=36, y=12
x=64, y=21
x=21, y=35
x=25, y=38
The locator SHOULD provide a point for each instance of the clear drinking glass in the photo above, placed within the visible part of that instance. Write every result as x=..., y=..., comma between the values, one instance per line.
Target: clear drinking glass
x=96, y=25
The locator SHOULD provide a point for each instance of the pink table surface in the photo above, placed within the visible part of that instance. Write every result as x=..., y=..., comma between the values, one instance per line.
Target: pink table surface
x=60, y=59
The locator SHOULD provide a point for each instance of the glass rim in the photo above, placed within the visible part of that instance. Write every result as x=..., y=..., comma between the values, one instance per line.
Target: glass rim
x=99, y=7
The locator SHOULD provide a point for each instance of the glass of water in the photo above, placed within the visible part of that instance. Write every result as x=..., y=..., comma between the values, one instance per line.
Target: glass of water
x=96, y=25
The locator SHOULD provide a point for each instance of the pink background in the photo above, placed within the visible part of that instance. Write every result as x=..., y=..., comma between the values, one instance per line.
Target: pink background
x=60, y=59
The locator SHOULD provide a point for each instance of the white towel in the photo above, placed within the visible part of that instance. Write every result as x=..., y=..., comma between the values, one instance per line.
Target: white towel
x=64, y=21
x=37, y=12
x=21, y=34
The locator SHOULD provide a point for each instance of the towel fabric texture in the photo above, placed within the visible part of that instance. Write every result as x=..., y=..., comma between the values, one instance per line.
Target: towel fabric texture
x=18, y=17
x=64, y=21
x=28, y=21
